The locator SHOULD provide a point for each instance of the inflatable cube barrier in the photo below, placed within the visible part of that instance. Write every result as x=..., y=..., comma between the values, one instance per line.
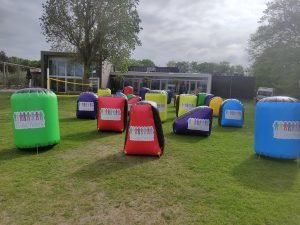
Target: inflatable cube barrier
x=170, y=96
x=160, y=97
x=87, y=106
x=104, y=91
x=277, y=127
x=121, y=94
x=143, y=92
x=201, y=98
x=35, y=116
x=215, y=103
x=144, y=135
x=128, y=90
x=231, y=113
x=112, y=113
x=185, y=103
x=208, y=98
x=197, y=121
x=133, y=101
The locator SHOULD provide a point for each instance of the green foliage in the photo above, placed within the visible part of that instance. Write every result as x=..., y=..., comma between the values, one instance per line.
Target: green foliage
x=274, y=48
x=86, y=179
x=223, y=68
x=96, y=29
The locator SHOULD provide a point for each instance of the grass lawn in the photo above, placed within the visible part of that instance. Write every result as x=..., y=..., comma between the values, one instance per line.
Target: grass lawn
x=86, y=179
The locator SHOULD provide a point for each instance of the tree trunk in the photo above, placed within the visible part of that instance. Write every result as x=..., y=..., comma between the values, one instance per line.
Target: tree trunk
x=86, y=73
x=99, y=73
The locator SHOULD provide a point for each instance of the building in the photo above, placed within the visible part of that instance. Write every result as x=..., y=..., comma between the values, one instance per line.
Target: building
x=66, y=67
x=178, y=82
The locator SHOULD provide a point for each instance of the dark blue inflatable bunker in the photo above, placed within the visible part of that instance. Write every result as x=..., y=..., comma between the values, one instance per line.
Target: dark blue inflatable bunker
x=87, y=104
x=198, y=121
x=231, y=113
x=208, y=98
x=170, y=96
x=143, y=91
x=277, y=127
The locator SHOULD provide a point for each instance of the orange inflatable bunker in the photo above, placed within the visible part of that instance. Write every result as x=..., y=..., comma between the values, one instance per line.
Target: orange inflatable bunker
x=112, y=113
x=144, y=135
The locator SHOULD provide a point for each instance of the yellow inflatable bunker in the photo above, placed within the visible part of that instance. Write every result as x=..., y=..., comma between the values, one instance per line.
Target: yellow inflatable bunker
x=160, y=98
x=185, y=103
x=215, y=103
x=105, y=91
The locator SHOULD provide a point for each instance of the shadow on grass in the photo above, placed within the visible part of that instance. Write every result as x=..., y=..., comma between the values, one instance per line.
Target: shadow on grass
x=267, y=174
x=14, y=153
x=88, y=135
x=112, y=163
x=185, y=138
x=74, y=120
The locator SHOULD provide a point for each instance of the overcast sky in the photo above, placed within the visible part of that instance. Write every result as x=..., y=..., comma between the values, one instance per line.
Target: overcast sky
x=190, y=30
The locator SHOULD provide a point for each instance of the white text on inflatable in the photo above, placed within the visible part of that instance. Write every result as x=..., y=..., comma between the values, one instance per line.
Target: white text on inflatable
x=110, y=114
x=233, y=114
x=141, y=133
x=86, y=106
x=187, y=106
x=198, y=124
x=286, y=129
x=29, y=120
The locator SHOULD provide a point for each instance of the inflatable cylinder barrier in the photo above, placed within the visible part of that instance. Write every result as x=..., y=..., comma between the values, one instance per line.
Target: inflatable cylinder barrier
x=208, y=98
x=112, y=113
x=201, y=98
x=215, y=104
x=160, y=97
x=133, y=101
x=128, y=90
x=198, y=121
x=185, y=103
x=170, y=95
x=144, y=135
x=143, y=92
x=231, y=113
x=277, y=127
x=105, y=91
x=87, y=106
x=35, y=116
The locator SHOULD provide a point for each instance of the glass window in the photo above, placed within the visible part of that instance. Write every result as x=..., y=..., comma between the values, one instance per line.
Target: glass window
x=155, y=84
x=70, y=69
x=78, y=70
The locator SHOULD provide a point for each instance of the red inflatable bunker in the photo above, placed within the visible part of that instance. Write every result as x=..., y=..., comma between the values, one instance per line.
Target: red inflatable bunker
x=112, y=113
x=133, y=101
x=128, y=90
x=144, y=135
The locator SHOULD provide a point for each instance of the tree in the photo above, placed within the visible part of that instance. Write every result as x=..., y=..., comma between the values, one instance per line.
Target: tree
x=280, y=25
x=274, y=48
x=97, y=30
x=3, y=56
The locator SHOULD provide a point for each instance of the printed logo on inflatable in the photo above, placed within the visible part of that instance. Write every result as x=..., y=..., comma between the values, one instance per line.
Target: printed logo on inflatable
x=187, y=106
x=29, y=120
x=286, y=129
x=233, y=114
x=110, y=114
x=198, y=124
x=86, y=106
x=141, y=133
x=161, y=107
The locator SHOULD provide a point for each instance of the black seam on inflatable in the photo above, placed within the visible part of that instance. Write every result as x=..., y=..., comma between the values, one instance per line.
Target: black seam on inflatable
x=125, y=113
x=177, y=105
x=159, y=129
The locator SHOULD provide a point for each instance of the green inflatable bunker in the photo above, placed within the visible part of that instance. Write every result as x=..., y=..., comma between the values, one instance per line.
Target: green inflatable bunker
x=201, y=99
x=35, y=116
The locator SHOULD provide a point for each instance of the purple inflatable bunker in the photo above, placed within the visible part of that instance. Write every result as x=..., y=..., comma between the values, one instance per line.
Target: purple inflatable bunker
x=87, y=104
x=198, y=121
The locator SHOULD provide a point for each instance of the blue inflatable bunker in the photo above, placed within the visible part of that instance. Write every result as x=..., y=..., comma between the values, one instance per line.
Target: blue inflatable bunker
x=198, y=121
x=143, y=92
x=277, y=127
x=231, y=113
x=170, y=95
x=87, y=104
